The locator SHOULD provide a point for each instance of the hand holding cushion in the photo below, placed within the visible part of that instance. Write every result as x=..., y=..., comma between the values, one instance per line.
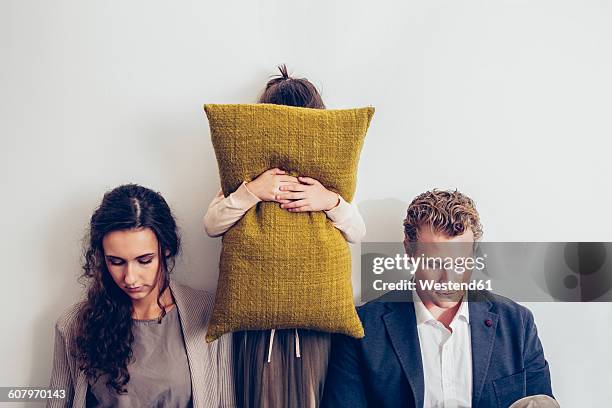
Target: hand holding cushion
x=308, y=195
x=269, y=183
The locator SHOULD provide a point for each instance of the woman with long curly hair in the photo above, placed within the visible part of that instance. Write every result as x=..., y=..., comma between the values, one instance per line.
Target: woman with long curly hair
x=137, y=339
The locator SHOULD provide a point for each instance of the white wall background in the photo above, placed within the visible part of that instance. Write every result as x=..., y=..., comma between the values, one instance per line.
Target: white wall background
x=509, y=101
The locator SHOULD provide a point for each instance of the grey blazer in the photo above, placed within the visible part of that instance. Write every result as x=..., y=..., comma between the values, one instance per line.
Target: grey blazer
x=212, y=382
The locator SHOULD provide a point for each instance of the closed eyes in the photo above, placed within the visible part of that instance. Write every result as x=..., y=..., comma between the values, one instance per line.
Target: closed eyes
x=118, y=261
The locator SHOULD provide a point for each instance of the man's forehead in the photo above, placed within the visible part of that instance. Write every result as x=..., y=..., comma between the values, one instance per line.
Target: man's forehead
x=432, y=237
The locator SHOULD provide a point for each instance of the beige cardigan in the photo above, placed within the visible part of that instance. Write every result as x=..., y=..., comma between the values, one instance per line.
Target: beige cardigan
x=212, y=382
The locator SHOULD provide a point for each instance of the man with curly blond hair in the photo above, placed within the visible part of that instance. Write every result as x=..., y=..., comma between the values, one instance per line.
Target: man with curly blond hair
x=444, y=346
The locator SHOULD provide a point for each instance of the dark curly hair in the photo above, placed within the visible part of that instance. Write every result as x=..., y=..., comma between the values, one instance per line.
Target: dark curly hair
x=104, y=335
x=286, y=90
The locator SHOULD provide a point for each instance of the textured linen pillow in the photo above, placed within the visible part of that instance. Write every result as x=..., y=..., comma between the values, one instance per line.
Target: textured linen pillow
x=280, y=269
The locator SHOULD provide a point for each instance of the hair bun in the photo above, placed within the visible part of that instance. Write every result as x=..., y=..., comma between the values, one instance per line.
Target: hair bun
x=283, y=71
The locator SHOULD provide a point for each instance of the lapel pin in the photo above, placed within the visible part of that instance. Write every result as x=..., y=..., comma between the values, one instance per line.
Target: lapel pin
x=489, y=322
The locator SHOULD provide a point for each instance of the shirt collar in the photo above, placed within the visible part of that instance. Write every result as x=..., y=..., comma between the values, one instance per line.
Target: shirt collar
x=423, y=315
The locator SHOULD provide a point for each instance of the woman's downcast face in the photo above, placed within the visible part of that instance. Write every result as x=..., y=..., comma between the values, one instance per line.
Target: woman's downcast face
x=132, y=258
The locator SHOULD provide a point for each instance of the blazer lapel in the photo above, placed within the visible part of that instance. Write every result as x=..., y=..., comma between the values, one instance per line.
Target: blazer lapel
x=483, y=325
x=194, y=343
x=401, y=326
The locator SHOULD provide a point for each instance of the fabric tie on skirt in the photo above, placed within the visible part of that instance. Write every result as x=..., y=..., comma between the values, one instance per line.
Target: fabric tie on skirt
x=297, y=344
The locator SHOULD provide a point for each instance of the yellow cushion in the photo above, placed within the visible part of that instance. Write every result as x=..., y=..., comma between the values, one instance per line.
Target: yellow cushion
x=280, y=269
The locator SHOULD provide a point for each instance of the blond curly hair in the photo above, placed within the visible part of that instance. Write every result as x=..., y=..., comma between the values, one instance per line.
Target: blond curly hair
x=446, y=211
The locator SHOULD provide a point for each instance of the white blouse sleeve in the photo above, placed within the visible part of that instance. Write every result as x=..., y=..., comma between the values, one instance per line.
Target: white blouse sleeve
x=346, y=217
x=223, y=212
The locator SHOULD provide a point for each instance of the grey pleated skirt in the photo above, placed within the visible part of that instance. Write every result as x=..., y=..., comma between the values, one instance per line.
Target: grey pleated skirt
x=282, y=368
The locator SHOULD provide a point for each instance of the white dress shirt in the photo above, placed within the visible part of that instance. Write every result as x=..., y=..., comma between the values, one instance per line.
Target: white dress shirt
x=446, y=356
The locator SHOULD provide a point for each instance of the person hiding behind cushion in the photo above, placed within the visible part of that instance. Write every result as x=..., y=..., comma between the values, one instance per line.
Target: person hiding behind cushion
x=283, y=367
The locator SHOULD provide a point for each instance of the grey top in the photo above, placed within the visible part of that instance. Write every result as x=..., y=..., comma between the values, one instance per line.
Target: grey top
x=212, y=373
x=159, y=372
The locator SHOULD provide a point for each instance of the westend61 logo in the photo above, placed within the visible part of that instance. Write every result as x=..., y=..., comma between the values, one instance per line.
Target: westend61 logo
x=411, y=264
